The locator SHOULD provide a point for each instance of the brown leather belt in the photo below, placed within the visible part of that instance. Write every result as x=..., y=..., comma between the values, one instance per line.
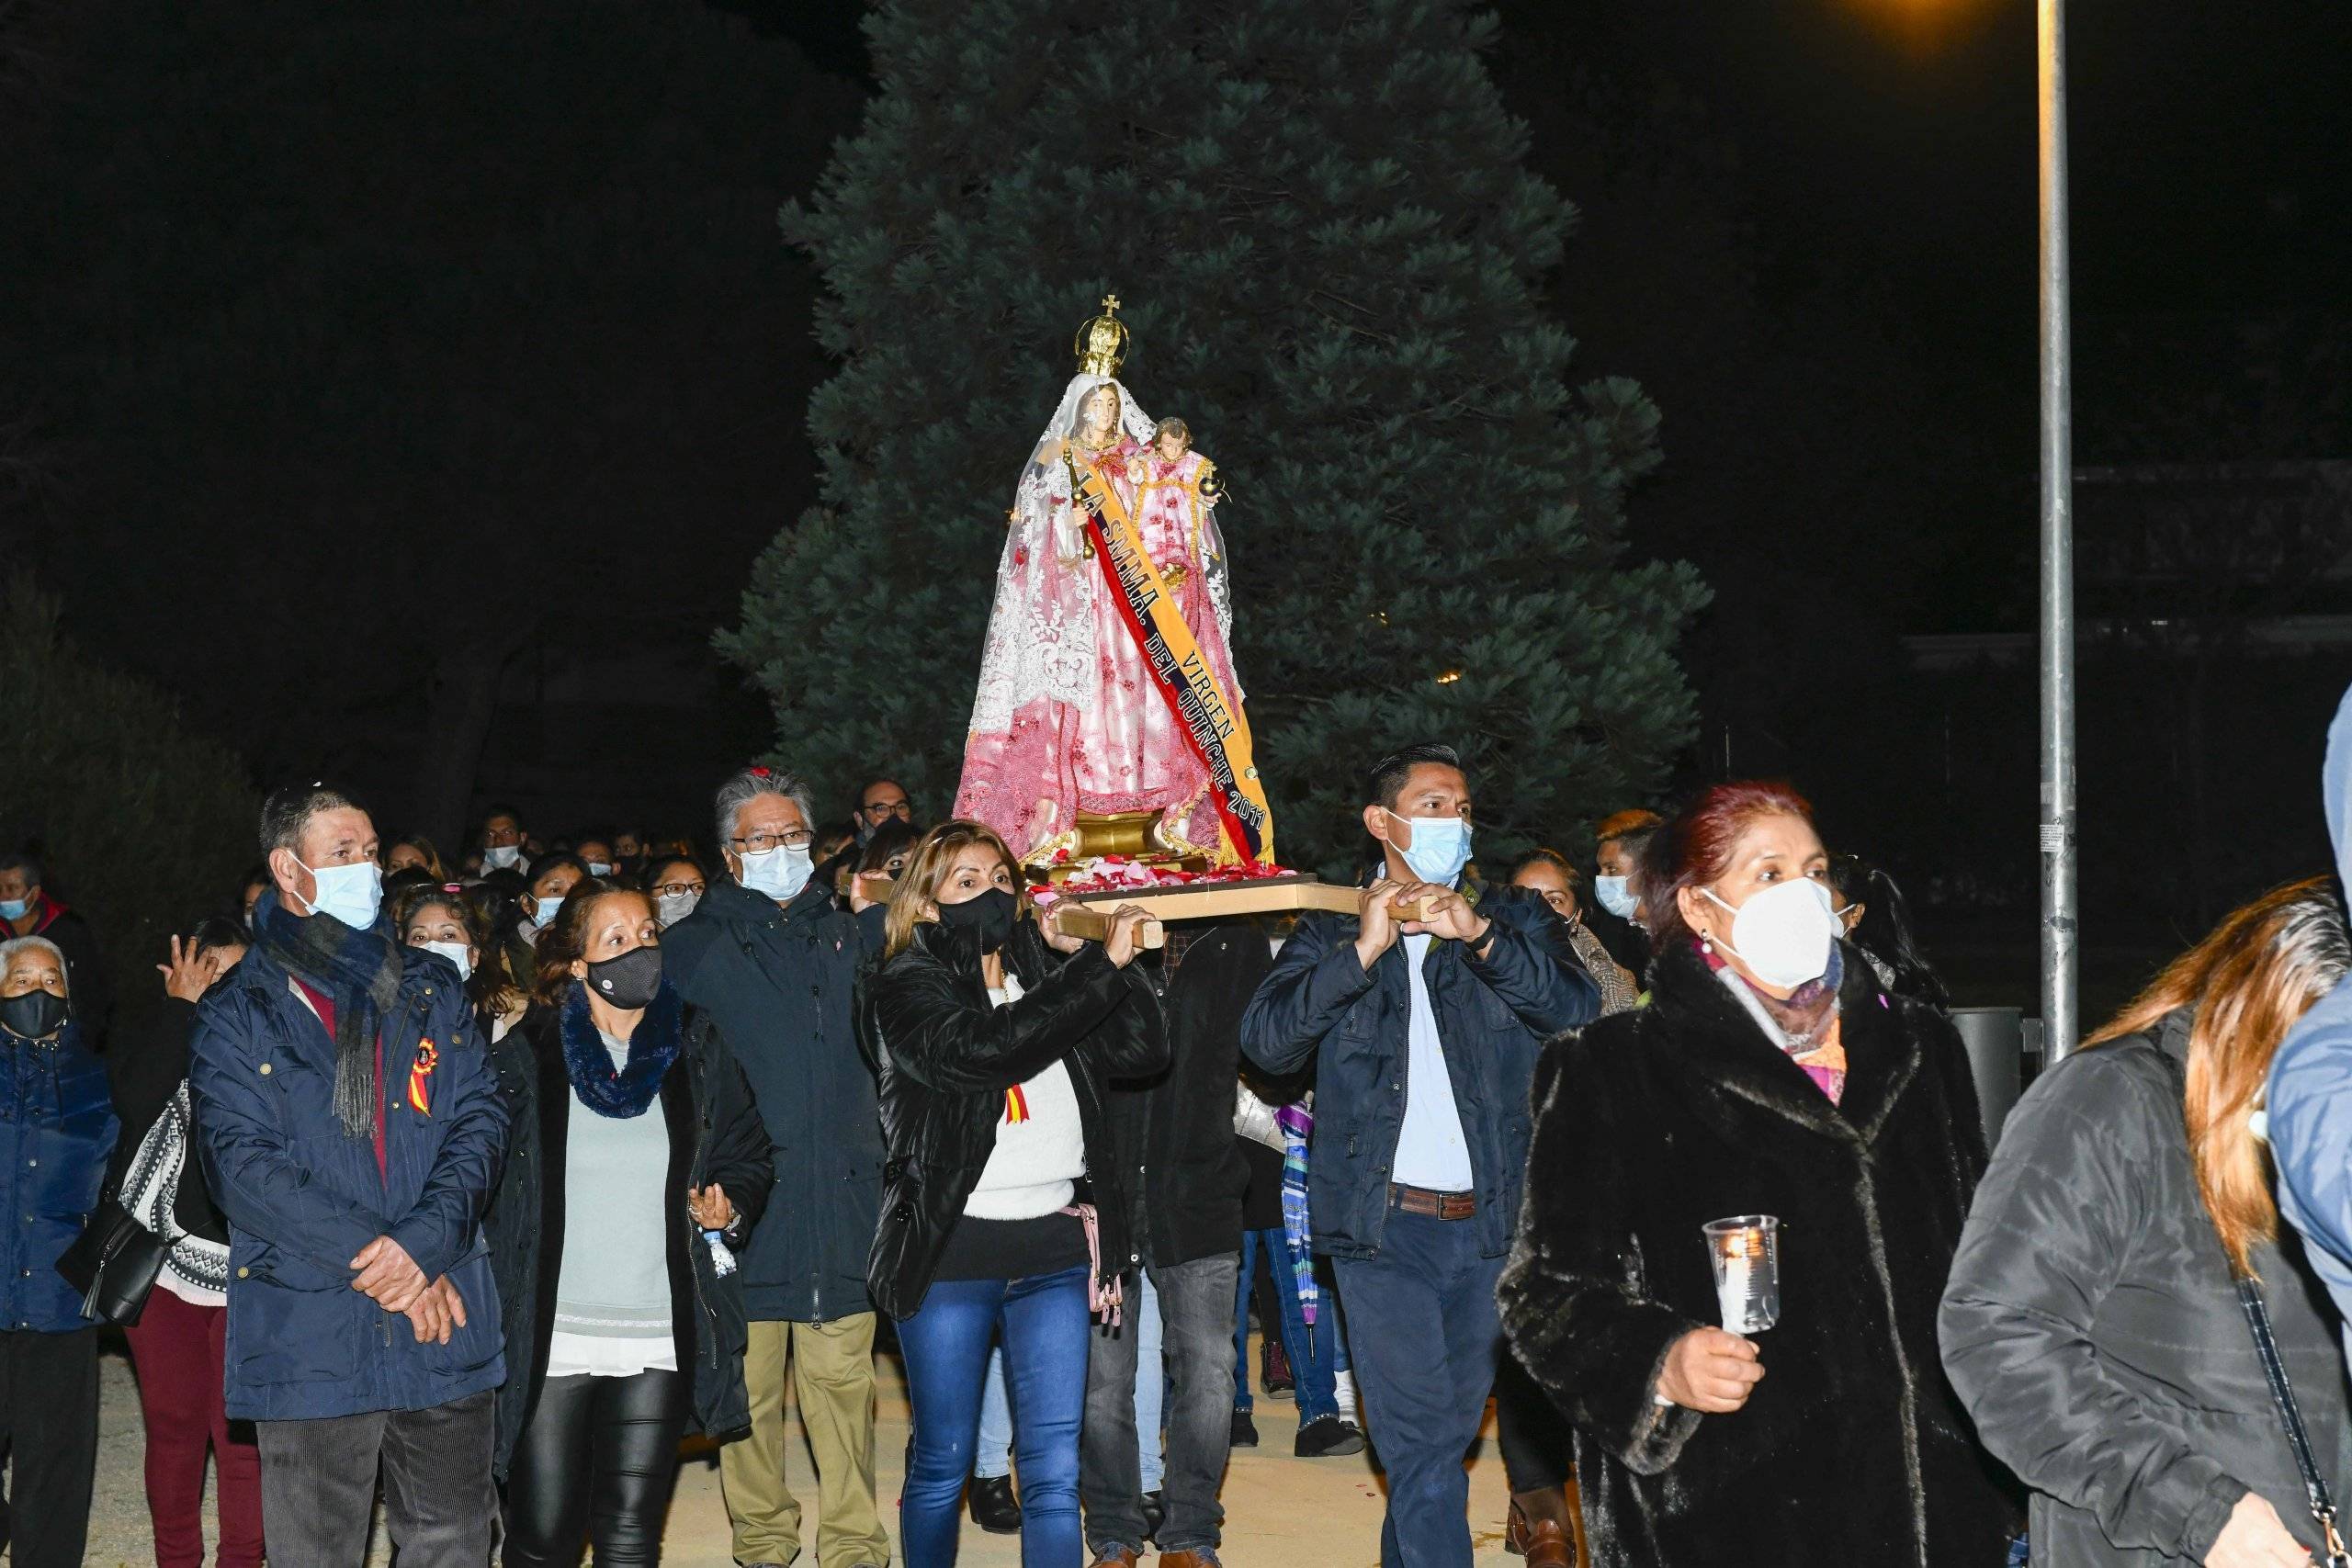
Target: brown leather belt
x=1438, y=1205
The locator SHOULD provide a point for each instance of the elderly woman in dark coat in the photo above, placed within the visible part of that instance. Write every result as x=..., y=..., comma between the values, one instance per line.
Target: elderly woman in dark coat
x=1771, y=1075
x=2093, y=1324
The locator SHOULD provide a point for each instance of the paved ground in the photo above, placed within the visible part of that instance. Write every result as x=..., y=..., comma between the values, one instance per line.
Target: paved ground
x=1281, y=1510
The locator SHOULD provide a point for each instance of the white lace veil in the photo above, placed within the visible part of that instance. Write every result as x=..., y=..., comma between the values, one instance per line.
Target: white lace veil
x=1041, y=632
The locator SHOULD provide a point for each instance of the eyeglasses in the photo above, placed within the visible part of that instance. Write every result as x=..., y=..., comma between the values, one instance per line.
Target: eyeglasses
x=761, y=843
x=677, y=889
x=903, y=809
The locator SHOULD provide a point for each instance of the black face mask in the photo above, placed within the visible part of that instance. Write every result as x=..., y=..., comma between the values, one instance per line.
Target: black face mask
x=34, y=1015
x=989, y=917
x=630, y=981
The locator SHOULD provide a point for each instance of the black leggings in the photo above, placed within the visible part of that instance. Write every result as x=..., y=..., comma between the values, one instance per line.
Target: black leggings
x=598, y=1457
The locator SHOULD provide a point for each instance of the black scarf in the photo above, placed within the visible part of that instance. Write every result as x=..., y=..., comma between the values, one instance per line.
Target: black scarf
x=360, y=973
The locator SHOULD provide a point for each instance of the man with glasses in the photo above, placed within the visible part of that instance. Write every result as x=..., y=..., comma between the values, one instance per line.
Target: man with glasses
x=878, y=803
x=772, y=958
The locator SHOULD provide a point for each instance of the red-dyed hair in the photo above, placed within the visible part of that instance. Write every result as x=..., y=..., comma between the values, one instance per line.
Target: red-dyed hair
x=1695, y=847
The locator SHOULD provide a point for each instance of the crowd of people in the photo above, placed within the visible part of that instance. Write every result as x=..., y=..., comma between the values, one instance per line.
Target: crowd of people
x=476, y=1183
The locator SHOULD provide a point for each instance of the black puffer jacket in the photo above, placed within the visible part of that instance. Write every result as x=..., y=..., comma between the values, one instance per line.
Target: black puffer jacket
x=2092, y=1326
x=715, y=1135
x=946, y=1057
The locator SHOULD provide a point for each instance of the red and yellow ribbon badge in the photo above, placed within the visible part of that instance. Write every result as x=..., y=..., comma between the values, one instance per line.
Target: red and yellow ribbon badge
x=1016, y=1107
x=419, y=1070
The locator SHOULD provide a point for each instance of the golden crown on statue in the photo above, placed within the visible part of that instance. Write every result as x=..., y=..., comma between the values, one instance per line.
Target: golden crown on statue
x=1101, y=343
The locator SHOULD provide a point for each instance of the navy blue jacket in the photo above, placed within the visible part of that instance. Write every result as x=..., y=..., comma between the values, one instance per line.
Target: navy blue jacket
x=57, y=1129
x=1493, y=1016
x=780, y=982
x=303, y=1198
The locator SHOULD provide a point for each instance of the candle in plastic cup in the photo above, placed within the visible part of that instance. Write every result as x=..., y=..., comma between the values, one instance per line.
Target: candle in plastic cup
x=1746, y=1252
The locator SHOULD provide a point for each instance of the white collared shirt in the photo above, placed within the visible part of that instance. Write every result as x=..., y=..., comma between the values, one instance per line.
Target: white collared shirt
x=1431, y=1152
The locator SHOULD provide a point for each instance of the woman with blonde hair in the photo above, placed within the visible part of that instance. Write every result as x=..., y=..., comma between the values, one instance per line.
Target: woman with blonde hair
x=1002, y=1209
x=2094, y=1323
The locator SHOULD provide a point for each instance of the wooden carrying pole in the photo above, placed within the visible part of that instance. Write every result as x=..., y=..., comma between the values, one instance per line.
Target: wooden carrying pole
x=1216, y=901
x=1088, y=915
x=1092, y=922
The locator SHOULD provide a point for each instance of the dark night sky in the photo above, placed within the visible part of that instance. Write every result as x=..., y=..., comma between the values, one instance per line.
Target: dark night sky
x=2212, y=157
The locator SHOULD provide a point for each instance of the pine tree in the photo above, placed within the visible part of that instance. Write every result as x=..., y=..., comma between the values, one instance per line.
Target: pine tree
x=1318, y=217
x=147, y=824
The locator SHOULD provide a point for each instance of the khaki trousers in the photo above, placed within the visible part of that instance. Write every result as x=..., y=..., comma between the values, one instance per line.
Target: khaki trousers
x=832, y=1371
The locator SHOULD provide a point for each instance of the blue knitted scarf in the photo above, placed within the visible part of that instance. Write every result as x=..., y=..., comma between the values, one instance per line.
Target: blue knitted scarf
x=628, y=1091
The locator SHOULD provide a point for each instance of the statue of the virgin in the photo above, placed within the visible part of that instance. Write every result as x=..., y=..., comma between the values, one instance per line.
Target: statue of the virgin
x=1106, y=683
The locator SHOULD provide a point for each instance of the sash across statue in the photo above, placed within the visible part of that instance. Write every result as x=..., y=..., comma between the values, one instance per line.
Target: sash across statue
x=1212, y=726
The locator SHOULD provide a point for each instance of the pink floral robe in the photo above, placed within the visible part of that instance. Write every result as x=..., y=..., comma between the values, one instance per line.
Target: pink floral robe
x=1110, y=742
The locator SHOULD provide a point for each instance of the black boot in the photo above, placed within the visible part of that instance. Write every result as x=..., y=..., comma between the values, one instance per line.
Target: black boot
x=1155, y=1514
x=994, y=1508
x=1245, y=1431
x=1326, y=1435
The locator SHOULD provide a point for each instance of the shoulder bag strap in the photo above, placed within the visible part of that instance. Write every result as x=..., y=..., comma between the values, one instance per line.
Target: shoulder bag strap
x=2282, y=1392
x=2290, y=1417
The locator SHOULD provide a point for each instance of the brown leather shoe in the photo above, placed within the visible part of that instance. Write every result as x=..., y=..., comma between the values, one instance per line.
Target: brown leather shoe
x=1189, y=1559
x=1113, y=1557
x=1543, y=1542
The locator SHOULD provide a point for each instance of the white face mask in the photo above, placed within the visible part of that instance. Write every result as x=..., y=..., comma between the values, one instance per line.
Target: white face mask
x=501, y=856
x=1783, y=933
x=352, y=893
x=671, y=907
x=599, y=868
x=1616, y=895
x=779, y=874
x=457, y=953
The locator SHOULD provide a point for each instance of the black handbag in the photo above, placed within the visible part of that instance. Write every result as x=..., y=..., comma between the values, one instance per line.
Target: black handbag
x=2290, y=1417
x=114, y=1263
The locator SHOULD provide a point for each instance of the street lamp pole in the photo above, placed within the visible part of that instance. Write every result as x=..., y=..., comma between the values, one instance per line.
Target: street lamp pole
x=2059, y=926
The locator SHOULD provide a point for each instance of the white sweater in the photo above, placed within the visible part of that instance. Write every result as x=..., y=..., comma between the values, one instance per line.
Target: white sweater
x=1038, y=1160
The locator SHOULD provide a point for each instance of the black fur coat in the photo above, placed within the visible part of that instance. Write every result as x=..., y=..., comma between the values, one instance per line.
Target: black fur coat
x=1649, y=1124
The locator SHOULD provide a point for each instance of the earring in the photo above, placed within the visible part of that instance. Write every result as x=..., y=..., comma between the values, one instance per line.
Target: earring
x=1706, y=942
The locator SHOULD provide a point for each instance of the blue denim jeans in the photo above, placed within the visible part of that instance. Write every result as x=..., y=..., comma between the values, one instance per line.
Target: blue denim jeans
x=1313, y=1351
x=1151, y=1382
x=1042, y=1321
x=1425, y=1335
x=994, y=1458
x=1191, y=1300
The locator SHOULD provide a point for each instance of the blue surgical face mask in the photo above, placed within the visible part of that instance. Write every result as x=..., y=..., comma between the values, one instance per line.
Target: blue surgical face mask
x=549, y=907
x=1616, y=895
x=498, y=857
x=1440, y=847
x=599, y=868
x=779, y=874
x=15, y=909
x=352, y=893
